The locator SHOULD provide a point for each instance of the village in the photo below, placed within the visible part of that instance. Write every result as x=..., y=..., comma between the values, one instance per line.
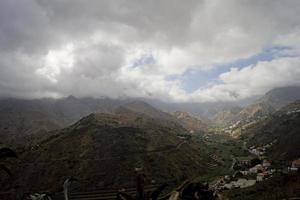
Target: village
x=249, y=171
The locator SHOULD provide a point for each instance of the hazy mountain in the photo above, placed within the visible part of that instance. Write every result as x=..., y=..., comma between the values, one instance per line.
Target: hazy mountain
x=265, y=106
x=256, y=110
x=23, y=120
x=146, y=109
x=272, y=101
x=206, y=110
x=226, y=116
x=191, y=123
x=103, y=149
x=280, y=97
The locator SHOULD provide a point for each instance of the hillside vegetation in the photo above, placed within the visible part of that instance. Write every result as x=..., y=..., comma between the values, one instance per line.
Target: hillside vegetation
x=283, y=127
x=102, y=150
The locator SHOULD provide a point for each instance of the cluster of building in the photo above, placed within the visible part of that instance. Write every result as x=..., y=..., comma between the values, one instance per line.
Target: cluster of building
x=227, y=183
x=262, y=171
x=248, y=176
x=233, y=130
x=295, y=165
x=261, y=150
x=235, y=125
x=292, y=112
x=240, y=183
x=236, y=129
x=245, y=178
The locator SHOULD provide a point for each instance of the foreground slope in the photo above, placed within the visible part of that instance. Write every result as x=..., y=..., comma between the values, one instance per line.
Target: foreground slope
x=102, y=150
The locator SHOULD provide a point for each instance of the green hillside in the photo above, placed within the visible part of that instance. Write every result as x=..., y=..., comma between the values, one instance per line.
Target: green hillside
x=102, y=150
x=283, y=127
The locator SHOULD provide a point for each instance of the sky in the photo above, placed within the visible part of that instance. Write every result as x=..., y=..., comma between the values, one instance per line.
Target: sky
x=172, y=50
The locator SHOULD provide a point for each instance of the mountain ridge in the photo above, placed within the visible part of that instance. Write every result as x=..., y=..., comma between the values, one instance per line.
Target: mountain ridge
x=268, y=104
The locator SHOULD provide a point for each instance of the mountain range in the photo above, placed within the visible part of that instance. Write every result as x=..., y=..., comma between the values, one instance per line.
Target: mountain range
x=25, y=121
x=102, y=141
x=21, y=121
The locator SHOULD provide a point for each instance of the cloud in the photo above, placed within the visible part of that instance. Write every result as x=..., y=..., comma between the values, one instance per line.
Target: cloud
x=120, y=48
x=252, y=80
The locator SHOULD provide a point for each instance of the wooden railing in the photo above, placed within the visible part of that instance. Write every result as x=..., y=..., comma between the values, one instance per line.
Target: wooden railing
x=100, y=194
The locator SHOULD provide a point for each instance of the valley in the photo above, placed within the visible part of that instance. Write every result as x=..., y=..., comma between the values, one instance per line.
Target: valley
x=102, y=145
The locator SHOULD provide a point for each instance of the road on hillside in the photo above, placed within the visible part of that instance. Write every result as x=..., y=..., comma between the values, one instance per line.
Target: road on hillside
x=233, y=162
x=166, y=149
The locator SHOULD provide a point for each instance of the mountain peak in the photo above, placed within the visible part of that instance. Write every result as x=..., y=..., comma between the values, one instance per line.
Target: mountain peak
x=71, y=97
x=279, y=97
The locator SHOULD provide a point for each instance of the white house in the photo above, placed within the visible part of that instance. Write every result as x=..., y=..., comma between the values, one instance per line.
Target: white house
x=266, y=163
x=296, y=163
x=260, y=177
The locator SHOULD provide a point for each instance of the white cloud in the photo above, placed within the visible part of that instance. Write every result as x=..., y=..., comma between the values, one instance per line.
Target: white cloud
x=56, y=61
x=88, y=48
x=252, y=80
